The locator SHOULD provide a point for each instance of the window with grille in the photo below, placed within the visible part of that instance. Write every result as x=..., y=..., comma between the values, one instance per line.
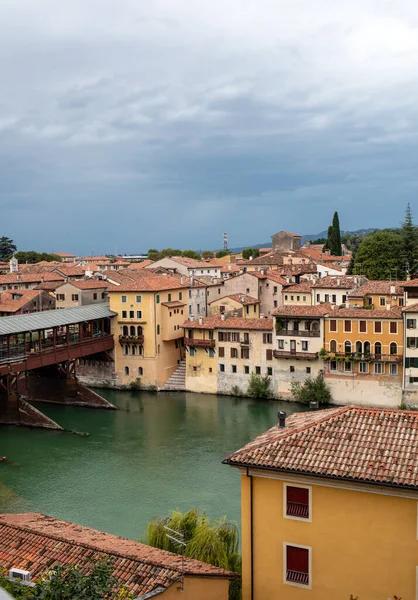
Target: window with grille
x=297, y=502
x=297, y=565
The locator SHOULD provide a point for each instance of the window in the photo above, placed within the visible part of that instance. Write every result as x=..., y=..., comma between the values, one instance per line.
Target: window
x=326, y=297
x=378, y=368
x=124, y=314
x=234, y=353
x=285, y=297
x=378, y=326
x=258, y=370
x=192, y=351
x=292, y=297
x=60, y=297
x=363, y=367
x=378, y=348
x=245, y=353
x=269, y=354
x=211, y=352
x=411, y=323
x=292, y=369
x=180, y=295
x=267, y=338
x=158, y=330
x=234, y=368
x=103, y=295
x=334, y=299
x=124, y=299
x=332, y=365
x=348, y=367
x=222, y=368
x=126, y=370
x=138, y=301
x=400, y=301
x=297, y=502
x=308, y=370
x=157, y=298
x=210, y=369
x=275, y=303
x=333, y=346
x=413, y=380
x=169, y=297
x=333, y=325
x=126, y=349
x=298, y=298
x=275, y=289
x=411, y=342
x=221, y=352
x=304, y=298
x=139, y=314
x=235, y=336
x=347, y=347
x=198, y=308
x=318, y=297
x=393, y=369
x=280, y=344
x=393, y=327
x=133, y=349
x=269, y=371
x=297, y=561
x=411, y=362
x=132, y=314
x=344, y=298
x=347, y=326
x=74, y=297
x=382, y=301
x=305, y=345
x=393, y=349
x=247, y=370
x=140, y=371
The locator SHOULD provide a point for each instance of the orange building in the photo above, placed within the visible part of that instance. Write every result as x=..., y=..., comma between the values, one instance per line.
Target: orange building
x=378, y=295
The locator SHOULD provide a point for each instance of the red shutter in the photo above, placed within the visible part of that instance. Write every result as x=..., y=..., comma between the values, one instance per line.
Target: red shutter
x=221, y=352
x=333, y=325
x=297, y=559
x=363, y=326
x=393, y=327
x=296, y=494
x=269, y=354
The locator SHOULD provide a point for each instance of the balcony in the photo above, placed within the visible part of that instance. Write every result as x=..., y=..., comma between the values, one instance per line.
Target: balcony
x=297, y=333
x=245, y=343
x=131, y=339
x=295, y=354
x=201, y=343
x=370, y=357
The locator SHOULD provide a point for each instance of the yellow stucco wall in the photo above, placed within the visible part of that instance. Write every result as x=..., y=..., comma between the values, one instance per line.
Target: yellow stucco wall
x=362, y=543
x=251, y=311
x=201, y=367
x=385, y=338
x=198, y=588
x=298, y=298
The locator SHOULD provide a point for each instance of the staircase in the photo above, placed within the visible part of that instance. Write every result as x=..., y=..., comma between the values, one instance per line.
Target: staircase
x=177, y=381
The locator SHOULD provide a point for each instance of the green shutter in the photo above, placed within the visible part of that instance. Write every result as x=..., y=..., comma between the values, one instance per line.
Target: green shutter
x=157, y=299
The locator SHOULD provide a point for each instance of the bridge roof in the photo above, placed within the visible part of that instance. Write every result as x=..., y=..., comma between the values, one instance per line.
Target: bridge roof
x=54, y=318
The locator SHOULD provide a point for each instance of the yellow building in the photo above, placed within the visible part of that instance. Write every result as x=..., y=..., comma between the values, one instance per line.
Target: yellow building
x=237, y=305
x=222, y=352
x=329, y=506
x=379, y=295
x=300, y=294
x=147, y=330
x=364, y=351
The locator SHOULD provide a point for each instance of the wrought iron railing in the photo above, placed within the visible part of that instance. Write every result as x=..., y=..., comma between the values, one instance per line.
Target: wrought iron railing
x=296, y=509
x=297, y=577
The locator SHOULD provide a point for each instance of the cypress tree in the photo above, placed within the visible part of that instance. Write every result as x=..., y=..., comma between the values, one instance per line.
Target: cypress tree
x=410, y=241
x=336, y=250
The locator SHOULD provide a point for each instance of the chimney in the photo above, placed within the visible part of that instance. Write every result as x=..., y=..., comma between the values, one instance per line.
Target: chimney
x=223, y=316
x=200, y=319
x=393, y=290
x=388, y=306
x=192, y=281
x=182, y=280
x=338, y=280
x=333, y=306
x=282, y=419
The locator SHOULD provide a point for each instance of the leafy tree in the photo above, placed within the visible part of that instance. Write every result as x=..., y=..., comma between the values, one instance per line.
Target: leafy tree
x=312, y=389
x=7, y=247
x=222, y=253
x=410, y=241
x=191, y=254
x=216, y=543
x=70, y=582
x=318, y=241
x=259, y=386
x=31, y=257
x=336, y=249
x=153, y=254
x=208, y=254
x=170, y=252
x=248, y=253
x=380, y=256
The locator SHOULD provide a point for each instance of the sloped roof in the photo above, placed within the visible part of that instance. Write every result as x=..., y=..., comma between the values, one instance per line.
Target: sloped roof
x=216, y=322
x=11, y=305
x=243, y=299
x=295, y=310
x=346, y=282
x=37, y=543
x=364, y=313
x=366, y=445
x=379, y=287
x=305, y=287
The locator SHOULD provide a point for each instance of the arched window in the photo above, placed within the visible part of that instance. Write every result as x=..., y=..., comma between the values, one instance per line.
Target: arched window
x=125, y=330
x=315, y=326
x=393, y=348
x=132, y=330
x=347, y=347
x=139, y=329
x=333, y=346
x=366, y=347
x=133, y=349
x=126, y=349
x=378, y=348
x=126, y=370
x=140, y=371
x=359, y=348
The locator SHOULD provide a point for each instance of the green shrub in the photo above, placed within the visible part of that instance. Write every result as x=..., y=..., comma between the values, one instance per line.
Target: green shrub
x=312, y=389
x=236, y=391
x=259, y=386
x=135, y=386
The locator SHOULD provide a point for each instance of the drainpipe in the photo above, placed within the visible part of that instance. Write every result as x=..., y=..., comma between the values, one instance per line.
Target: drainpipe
x=251, y=533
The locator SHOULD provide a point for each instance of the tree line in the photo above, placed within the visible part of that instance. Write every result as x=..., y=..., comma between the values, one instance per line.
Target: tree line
x=8, y=248
x=154, y=254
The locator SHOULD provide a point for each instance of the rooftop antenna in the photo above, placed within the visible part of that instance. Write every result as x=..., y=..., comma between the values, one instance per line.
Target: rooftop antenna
x=225, y=241
x=178, y=538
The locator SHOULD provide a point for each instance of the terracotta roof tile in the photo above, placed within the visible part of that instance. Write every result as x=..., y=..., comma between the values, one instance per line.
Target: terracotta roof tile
x=366, y=445
x=23, y=297
x=364, y=313
x=36, y=543
x=305, y=287
x=346, y=282
x=410, y=283
x=88, y=284
x=410, y=308
x=140, y=265
x=149, y=283
x=216, y=322
x=29, y=277
x=290, y=310
x=243, y=299
x=272, y=275
x=379, y=287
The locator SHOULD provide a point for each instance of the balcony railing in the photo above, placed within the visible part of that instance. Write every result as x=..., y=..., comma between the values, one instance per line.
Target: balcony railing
x=297, y=577
x=298, y=333
x=295, y=509
x=371, y=357
x=295, y=354
x=245, y=342
x=201, y=343
x=131, y=339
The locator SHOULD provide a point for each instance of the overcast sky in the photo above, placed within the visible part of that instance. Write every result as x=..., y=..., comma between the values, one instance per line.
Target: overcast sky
x=130, y=124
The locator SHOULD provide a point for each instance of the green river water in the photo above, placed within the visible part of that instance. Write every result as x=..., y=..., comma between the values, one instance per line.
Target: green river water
x=159, y=452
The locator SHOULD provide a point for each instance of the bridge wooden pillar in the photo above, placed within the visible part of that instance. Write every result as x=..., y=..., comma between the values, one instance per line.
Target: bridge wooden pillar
x=9, y=398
